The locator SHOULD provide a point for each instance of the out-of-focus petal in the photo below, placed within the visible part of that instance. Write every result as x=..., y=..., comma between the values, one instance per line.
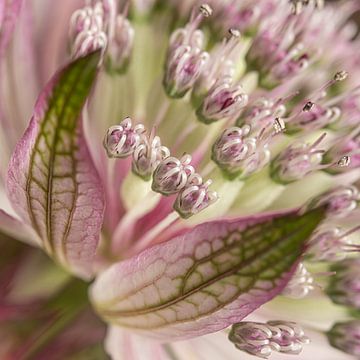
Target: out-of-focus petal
x=205, y=279
x=17, y=229
x=123, y=345
x=52, y=182
x=9, y=11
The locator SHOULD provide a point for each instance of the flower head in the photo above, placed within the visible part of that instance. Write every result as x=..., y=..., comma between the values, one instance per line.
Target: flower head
x=188, y=165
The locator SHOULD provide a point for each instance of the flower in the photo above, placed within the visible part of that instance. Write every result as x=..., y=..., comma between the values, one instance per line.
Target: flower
x=190, y=171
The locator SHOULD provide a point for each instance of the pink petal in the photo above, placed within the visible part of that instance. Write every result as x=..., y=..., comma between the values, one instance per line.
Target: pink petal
x=52, y=181
x=123, y=345
x=17, y=229
x=9, y=11
x=205, y=279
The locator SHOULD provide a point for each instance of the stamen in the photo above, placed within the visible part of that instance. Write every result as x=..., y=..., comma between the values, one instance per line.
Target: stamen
x=300, y=285
x=344, y=161
x=308, y=106
x=206, y=10
x=261, y=339
x=279, y=125
x=341, y=76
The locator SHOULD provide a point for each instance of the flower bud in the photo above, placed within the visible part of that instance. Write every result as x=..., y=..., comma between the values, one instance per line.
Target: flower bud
x=262, y=113
x=122, y=140
x=278, y=52
x=339, y=203
x=147, y=156
x=296, y=161
x=345, y=336
x=344, y=287
x=121, y=45
x=314, y=117
x=183, y=68
x=220, y=69
x=87, y=30
x=300, y=285
x=172, y=175
x=347, y=149
x=224, y=101
x=239, y=154
x=185, y=58
x=332, y=244
x=261, y=339
x=195, y=197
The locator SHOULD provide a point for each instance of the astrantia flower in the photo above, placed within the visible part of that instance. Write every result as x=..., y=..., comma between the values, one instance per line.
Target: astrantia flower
x=190, y=170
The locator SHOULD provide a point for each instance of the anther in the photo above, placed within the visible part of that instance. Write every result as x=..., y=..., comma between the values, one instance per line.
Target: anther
x=206, y=10
x=279, y=125
x=341, y=75
x=308, y=106
x=344, y=161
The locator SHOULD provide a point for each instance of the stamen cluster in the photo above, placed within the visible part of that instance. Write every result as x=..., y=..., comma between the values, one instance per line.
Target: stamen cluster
x=170, y=175
x=262, y=339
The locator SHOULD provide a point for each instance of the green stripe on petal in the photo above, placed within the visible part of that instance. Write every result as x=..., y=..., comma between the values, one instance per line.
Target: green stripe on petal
x=52, y=181
x=206, y=279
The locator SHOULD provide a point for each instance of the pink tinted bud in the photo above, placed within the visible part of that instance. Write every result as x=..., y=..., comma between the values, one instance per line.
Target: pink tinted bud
x=300, y=285
x=340, y=202
x=220, y=67
x=344, y=286
x=195, y=197
x=122, y=140
x=88, y=30
x=277, y=51
x=345, y=148
x=183, y=67
x=262, y=339
x=224, y=101
x=345, y=336
x=314, y=117
x=86, y=19
x=296, y=161
x=262, y=113
x=87, y=42
x=332, y=244
x=172, y=175
x=186, y=59
x=121, y=45
x=147, y=156
x=239, y=154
